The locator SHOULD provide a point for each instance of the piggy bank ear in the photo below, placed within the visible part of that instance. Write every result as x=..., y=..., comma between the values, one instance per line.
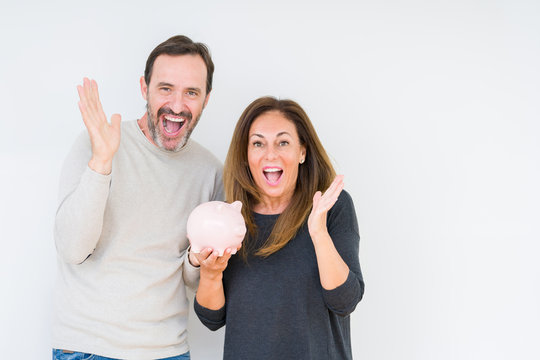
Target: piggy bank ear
x=237, y=205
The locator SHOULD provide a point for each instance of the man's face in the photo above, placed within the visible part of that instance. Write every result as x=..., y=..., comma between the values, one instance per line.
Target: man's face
x=175, y=99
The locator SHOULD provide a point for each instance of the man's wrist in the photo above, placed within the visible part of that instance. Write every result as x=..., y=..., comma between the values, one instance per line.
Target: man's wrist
x=103, y=167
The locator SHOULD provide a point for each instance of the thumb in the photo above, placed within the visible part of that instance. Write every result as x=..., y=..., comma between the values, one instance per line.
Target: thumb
x=316, y=198
x=115, y=121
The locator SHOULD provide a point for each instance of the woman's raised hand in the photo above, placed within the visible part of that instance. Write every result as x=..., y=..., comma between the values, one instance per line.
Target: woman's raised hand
x=321, y=204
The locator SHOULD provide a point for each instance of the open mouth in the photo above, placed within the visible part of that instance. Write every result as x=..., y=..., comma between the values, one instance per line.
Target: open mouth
x=272, y=175
x=172, y=125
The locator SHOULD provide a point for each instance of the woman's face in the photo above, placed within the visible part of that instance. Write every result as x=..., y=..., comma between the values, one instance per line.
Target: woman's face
x=274, y=154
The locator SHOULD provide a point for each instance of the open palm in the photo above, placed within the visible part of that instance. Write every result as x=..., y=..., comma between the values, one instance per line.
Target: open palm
x=104, y=137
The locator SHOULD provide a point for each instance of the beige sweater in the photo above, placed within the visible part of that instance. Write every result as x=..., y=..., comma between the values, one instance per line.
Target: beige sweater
x=121, y=243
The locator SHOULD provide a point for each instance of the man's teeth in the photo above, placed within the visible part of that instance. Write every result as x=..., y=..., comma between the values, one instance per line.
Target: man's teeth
x=175, y=119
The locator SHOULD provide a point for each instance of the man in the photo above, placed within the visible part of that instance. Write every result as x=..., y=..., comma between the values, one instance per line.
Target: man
x=126, y=190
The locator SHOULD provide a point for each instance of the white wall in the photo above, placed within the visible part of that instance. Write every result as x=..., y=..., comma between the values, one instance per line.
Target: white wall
x=430, y=108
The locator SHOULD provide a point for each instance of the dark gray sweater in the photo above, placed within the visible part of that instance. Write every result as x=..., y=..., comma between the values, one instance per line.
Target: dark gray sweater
x=276, y=307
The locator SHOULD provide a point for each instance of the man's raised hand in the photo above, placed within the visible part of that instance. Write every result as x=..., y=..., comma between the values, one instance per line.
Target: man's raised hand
x=104, y=137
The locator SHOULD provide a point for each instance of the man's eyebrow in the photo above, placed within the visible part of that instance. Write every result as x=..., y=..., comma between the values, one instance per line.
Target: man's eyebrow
x=163, y=83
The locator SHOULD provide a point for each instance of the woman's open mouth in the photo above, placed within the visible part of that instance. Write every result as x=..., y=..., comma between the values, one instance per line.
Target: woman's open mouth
x=272, y=175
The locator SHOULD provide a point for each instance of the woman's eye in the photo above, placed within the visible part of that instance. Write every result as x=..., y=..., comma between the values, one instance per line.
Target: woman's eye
x=283, y=143
x=257, y=144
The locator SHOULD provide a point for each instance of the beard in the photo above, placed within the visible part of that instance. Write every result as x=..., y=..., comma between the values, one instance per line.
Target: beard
x=157, y=134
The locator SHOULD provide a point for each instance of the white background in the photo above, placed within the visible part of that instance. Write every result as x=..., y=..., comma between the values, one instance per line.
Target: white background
x=430, y=108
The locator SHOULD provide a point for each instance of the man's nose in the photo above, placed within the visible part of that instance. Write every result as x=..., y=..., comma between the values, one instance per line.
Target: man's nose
x=177, y=102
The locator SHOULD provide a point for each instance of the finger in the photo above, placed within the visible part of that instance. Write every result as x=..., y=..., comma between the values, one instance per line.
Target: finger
x=82, y=96
x=335, y=188
x=83, y=106
x=116, y=119
x=331, y=195
x=316, y=198
x=93, y=96
x=94, y=88
x=87, y=90
x=336, y=183
x=80, y=91
x=226, y=256
x=212, y=258
x=86, y=106
x=90, y=99
x=84, y=114
x=95, y=92
x=204, y=254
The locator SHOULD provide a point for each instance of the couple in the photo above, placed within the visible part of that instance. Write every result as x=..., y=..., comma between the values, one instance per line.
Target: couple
x=126, y=191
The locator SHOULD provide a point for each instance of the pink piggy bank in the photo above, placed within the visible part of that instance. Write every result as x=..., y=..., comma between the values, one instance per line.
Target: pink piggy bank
x=217, y=225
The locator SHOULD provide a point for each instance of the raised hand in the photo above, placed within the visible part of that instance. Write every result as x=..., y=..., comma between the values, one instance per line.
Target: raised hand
x=333, y=271
x=321, y=204
x=104, y=137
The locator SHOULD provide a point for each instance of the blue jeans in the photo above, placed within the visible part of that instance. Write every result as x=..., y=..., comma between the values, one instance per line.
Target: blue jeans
x=58, y=354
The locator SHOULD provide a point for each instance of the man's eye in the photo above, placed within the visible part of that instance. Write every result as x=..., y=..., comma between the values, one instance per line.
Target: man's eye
x=192, y=93
x=165, y=89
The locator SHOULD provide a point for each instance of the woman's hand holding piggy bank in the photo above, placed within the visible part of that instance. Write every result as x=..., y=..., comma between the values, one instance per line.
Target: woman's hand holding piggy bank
x=217, y=225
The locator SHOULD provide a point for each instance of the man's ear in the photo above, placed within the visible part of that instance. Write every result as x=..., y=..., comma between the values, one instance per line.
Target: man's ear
x=207, y=98
x=144, y=88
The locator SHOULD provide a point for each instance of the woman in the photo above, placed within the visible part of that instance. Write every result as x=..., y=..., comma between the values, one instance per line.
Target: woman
x=290, y=292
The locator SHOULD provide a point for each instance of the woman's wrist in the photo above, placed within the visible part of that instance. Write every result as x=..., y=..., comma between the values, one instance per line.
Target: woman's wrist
x=211, y=278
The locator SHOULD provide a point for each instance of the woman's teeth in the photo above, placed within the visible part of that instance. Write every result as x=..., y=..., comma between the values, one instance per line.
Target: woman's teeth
x=272, y=174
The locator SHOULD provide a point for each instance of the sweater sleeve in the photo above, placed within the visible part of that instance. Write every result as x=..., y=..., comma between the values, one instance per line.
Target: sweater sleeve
x=343, y=229
x=191, y=274
x=83, y=196
x=212, y=319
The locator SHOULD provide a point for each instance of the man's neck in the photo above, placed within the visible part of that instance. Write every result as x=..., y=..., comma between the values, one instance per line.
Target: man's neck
x=143, y=125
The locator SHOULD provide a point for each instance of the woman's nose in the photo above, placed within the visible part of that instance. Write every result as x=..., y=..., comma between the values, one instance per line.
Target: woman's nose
x=271, y=153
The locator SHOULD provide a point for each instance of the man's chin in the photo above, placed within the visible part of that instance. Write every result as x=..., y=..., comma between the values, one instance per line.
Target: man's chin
x=173, y=144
